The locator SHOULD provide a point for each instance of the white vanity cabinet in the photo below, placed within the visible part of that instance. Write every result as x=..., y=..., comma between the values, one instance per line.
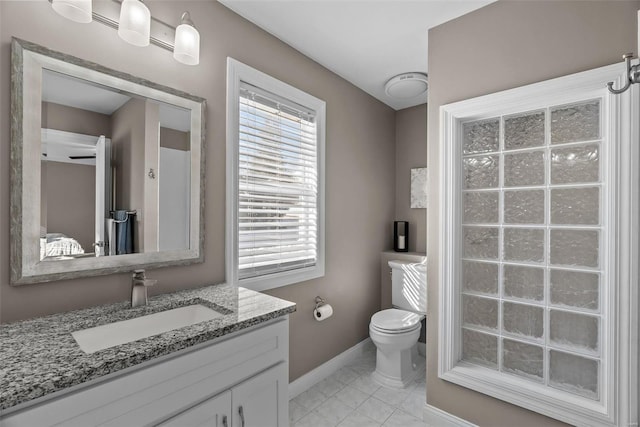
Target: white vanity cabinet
x=242, y=376
x=252, y=403
x=255, y=401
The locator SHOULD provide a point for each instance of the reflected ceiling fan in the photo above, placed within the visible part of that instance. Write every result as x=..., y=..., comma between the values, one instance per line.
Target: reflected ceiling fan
x=81, y=157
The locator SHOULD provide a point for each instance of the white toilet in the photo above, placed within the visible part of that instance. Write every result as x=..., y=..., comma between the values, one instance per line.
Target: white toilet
x=395, y=331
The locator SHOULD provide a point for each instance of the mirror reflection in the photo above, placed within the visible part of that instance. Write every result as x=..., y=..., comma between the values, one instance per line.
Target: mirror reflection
x=115, y=171
x=107, y=169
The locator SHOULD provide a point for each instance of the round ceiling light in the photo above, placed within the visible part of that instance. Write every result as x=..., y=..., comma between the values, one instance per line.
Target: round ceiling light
x=406, y=85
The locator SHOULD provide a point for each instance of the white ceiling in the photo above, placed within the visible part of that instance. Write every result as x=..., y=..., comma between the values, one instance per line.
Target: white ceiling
x=66, y=90
x=74, y=92
x=366, y=42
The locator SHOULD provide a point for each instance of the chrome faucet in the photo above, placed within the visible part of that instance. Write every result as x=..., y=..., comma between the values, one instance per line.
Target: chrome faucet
x=139, y=284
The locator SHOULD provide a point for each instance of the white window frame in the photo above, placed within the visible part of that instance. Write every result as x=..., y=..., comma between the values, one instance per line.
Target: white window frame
x=238, y=72
x=618, y=405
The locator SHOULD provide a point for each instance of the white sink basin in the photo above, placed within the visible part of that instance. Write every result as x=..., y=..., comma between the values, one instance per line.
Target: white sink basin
x=117, y=333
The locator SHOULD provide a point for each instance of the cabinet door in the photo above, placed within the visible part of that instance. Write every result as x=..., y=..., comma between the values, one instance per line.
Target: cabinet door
x=213, y=412
x=262, y=401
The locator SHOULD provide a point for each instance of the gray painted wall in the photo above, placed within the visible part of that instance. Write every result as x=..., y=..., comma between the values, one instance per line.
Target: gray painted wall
x=70, y=188
x=359, y=182
x=70, y=119
x=411, y=152
x=127, y=150
x=505, y=45
x=174, y=139
x=71, y=194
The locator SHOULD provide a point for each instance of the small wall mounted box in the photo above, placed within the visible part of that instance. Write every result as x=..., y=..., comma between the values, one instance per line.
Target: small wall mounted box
x=401, y=236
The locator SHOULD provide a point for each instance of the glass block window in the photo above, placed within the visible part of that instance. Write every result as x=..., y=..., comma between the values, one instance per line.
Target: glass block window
x=531, y=246
x=538, y=237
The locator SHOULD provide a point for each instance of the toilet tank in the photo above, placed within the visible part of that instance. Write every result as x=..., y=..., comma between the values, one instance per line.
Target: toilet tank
x=409, y=286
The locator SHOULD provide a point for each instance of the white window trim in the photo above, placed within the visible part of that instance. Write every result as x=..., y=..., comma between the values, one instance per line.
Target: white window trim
x=618, y=404
x=238, y=72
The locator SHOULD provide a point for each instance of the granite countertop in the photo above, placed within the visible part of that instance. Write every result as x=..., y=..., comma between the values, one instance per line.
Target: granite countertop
x=39, y=356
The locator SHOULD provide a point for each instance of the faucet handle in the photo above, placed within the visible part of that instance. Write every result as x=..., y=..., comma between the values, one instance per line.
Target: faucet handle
x=138, y=274
x=139, y=278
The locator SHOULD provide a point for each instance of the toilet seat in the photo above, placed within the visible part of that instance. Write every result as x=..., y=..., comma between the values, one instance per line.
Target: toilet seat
x=395, y=321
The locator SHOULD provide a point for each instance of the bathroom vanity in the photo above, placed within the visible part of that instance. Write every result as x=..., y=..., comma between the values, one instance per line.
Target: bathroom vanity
x=231, y=370
x=216, y=355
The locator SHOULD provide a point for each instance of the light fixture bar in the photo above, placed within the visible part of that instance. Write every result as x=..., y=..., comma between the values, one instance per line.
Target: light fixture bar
x=108, y=13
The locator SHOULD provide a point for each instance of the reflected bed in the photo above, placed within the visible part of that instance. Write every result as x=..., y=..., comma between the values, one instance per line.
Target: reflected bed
x=58, y=244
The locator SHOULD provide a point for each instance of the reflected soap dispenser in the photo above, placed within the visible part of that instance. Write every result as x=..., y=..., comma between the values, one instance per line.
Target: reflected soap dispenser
x=401, y=236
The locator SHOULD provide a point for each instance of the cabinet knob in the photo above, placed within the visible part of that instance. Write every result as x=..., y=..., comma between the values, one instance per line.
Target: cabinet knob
x=241, y=413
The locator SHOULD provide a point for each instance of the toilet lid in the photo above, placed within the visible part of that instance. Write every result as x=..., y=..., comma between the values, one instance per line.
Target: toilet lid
x=395, y=320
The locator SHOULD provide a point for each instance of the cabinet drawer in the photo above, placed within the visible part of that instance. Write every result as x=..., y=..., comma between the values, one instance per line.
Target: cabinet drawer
x=156, y=391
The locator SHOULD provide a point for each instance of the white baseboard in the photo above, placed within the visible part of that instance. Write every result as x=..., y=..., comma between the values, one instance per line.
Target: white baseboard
x=313, y=377
x=438, y=417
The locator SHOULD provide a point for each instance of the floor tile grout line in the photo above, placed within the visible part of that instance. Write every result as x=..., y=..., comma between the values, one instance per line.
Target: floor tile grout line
x=365, y=366
x=385, y=420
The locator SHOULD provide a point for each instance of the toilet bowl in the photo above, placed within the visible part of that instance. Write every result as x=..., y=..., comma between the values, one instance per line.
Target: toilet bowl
x=395, y=331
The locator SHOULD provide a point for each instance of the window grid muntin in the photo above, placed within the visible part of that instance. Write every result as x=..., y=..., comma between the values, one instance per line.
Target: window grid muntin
x=519, y=338
x=548, y=227
x=501, y=243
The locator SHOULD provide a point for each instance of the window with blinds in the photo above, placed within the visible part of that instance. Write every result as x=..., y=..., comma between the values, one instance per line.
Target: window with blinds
x=277, y=184
x=276, y=197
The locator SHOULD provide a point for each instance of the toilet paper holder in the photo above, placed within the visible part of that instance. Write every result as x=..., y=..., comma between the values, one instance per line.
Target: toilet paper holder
x=323, y=310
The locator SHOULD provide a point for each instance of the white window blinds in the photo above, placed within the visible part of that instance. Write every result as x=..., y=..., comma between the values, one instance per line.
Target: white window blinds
x=277, y=199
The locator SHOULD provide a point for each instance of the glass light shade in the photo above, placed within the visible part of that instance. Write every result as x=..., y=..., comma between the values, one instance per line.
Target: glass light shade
x=135, y=23
x=75, y=10
x=186, y=47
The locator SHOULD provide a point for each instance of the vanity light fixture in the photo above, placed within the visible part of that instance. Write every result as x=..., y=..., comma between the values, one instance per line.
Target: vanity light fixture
x=135, y=23
x=186, y=48
x=76, y=10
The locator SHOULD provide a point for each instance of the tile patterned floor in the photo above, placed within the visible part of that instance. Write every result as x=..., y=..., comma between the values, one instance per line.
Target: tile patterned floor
x=350, y=398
